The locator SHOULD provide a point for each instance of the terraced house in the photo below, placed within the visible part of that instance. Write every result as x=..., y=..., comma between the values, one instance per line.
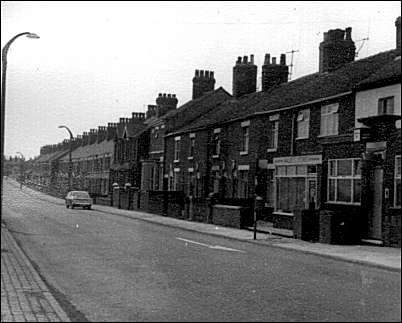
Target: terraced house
x=92, y=155
x=296, y=143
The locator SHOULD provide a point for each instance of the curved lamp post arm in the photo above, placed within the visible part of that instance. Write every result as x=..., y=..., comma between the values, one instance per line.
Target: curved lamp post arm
x=7, y=46
x=69, y=131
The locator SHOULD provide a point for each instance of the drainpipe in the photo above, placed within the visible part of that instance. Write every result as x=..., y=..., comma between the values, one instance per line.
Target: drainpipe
x=292, y=135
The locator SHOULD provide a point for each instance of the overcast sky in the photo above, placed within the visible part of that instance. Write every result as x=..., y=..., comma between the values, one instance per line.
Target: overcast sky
x=98, y=61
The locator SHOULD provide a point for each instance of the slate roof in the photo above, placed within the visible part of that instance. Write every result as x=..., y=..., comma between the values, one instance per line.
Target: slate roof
x=51, y=156
x=133, y=129
x=389, y=74
x=104, y=147
x=297, y=92
x=192, y=109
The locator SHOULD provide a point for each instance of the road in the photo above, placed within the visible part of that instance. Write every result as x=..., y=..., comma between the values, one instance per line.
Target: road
x=106, y=267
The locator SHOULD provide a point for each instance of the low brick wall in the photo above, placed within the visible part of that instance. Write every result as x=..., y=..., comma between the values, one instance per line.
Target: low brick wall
x=283, y=220
x=229, y=215
x=101, y=200
x=392, y=228
x=200, y=210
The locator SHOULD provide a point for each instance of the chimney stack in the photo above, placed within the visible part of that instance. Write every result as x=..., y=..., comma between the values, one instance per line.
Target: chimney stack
x=244, y=76
x=203, y=81
x=273, y=73
x=398, y=34
x=336, y=49
x=111, y=131
x=165, y=103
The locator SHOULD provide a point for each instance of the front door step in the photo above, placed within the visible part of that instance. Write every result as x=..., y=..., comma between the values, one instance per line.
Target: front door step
x=374, y=242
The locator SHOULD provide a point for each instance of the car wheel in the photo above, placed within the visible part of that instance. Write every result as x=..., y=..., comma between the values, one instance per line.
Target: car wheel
x=72, y=206
x=88, y=207
x=67, y=206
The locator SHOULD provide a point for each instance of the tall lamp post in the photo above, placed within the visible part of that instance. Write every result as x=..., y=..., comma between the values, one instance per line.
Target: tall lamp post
x=70, y=161
x=3, y=94
x=21, y=167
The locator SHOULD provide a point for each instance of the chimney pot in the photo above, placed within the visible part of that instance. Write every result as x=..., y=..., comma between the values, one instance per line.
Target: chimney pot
x=252, y=59
x=245, y=59
x=211, y=74
x=283, y=59
x=238, y=60
x=207, y=74
x=273, y=60
x=267, y=59
x=202, y=73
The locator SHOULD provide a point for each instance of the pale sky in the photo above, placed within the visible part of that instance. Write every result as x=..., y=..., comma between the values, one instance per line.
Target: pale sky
x=98, y=61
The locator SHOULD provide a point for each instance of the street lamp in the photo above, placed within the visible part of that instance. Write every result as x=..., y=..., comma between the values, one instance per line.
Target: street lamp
x=3, y=95
x=21, y=167
x=70, y=162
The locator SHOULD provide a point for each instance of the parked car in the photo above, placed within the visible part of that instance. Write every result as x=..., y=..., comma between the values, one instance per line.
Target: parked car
x=78, y=198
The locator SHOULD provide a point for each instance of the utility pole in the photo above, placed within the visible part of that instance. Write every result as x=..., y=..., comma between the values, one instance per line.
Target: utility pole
x=291, y=61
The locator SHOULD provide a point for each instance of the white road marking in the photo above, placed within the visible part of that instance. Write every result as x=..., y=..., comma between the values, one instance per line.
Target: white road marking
x=210, y=246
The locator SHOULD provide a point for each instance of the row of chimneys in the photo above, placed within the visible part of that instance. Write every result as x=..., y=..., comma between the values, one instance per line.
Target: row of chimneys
x=337, y=48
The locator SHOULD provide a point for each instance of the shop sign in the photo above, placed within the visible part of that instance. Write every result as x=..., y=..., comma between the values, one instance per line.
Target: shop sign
x=297, y=160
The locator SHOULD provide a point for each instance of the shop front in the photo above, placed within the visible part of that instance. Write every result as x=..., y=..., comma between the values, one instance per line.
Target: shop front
x=295, y=183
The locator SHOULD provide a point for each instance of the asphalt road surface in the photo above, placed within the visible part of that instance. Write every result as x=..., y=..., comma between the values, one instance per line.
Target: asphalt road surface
x=106, y=267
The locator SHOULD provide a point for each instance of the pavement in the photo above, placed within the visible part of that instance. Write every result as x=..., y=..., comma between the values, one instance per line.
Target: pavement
x=26, y=297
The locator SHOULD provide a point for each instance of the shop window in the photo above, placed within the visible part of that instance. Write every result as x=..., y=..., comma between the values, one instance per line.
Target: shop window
x=303, y=123
x=344, y=181
x=397, y=194
x=386, y=105
x=329, y=120
x=270, y=187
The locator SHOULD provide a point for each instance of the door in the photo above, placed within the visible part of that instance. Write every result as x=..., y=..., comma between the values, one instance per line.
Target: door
x=312, y=194
x=375, y=223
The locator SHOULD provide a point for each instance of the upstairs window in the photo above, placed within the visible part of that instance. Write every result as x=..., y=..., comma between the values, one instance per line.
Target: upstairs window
x=176, y=149
x=303, y=123
x=273, y=132
x=245, y=138
x=397, y=188
x=329, y=120
x=192, y=146
x=386, y=106
x=216, y=142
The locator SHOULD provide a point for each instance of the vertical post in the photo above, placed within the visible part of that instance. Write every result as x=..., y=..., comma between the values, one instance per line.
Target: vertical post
x=70, y=164
x=257, y=207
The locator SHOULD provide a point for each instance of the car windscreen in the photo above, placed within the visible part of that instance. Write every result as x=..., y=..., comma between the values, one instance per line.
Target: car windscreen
x=80, y=195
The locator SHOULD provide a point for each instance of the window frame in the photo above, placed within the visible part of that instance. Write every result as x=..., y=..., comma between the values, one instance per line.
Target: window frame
x=352, y=177
x=176, y=155
x=273, y=134
x=328, y=115
x=396, y=177
x=383, y=109
x=304, y=122
x=245, y=144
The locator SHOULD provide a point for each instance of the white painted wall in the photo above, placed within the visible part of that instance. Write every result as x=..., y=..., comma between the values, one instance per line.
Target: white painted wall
x=367, y=102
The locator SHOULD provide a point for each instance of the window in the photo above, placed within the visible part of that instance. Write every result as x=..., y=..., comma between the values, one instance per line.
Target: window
x=192, y=146
x=245, y=137
x=215, y=178
x=397, y=194
x=386, y=105
x=271, y=187
x=176, y=179
x=191, y=183
x=344, y=181
x=216, y=144
x=303, y=123
x=273, y=128
x=176, y=149
x=329, y=120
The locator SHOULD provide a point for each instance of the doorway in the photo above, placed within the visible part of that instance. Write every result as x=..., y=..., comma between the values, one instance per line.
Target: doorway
x=375, y=221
